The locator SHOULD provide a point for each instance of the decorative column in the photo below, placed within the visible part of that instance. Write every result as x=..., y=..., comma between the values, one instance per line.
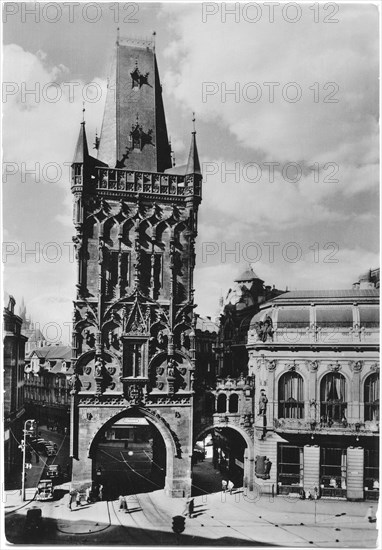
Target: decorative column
x=354, y=392
x=75, y=385
x=271, y=367
x=119, y=285
x=313, y=393
x=152, y=273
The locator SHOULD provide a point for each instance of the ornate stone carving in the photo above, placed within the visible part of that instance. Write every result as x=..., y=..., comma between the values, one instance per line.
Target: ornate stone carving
x=335, y=367
x=75, y=383
x=291, y=366
x=356, y=366
x=263, y=401
x=271, y=365
x=135, y=394
x=313, y=365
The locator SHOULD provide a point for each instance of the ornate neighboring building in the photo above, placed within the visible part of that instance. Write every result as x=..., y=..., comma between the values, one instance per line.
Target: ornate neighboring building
x=314, y=362
x=303, y=413
x=14, y=354
x=135, y=219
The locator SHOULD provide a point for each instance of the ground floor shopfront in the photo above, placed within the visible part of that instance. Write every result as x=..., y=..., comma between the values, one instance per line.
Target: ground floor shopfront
x=332, y=467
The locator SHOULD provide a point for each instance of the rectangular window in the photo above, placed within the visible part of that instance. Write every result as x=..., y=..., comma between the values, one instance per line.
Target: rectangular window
x=333, y=472
x=290, y=468
x=371, y=474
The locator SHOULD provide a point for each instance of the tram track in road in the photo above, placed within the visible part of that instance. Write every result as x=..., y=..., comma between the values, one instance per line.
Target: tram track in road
x=133, y=531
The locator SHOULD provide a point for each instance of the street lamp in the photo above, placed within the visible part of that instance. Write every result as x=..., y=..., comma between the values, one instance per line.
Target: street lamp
x=27, y=431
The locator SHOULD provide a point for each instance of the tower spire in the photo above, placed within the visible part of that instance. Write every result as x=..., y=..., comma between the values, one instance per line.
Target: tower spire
x=193, y=164
x=134, y=86
x=81, y=153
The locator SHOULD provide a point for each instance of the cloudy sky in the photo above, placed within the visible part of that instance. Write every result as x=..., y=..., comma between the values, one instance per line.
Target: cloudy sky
x=286, y=102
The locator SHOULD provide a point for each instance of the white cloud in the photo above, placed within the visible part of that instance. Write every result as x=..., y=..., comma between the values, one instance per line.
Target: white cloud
x=345, y=54
x=42, y=133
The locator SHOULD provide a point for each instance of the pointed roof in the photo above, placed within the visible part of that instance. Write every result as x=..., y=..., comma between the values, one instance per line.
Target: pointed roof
x=193, y=164
x=247, y=275
x=134, y=96
x=82, y=152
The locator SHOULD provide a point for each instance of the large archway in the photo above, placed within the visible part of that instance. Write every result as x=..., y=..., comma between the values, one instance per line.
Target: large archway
x=221, y=452
x=131, y=453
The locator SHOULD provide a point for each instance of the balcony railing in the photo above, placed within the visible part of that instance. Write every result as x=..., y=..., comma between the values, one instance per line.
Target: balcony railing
x=311, y=426
x=111, y=179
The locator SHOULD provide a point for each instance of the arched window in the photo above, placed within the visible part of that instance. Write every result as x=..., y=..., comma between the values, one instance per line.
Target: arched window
x=222, y=403
x=333, y=398
x=371, y=397
x=210, y=404
x=291, y=396
x=233, y=405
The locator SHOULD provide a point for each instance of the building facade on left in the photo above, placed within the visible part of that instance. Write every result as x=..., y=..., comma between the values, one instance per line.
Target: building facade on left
x=14, y=354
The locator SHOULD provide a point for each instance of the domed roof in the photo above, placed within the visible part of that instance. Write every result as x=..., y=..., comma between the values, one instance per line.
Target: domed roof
x=324, y=308
x=248, y=275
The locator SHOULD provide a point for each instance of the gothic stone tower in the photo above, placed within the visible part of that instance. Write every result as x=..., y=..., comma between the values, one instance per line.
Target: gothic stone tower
x=135, y=218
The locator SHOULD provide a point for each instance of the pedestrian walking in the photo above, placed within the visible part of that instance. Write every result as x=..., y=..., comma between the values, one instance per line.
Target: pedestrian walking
x=189, y=508
x=230, y=487
x=224, y=485
x=122, y=503
x=191, y=504
x=78, y=499
x=87, y=494
x=100, y=492
x=70, y=500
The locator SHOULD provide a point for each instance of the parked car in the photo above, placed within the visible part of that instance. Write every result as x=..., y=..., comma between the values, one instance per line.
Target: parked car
x=45, y=490
x=50, y=450
x=54, y=445
x=54, y=471
x=33, y=522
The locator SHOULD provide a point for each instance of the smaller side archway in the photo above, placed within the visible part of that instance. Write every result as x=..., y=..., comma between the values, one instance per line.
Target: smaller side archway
x=228, y=454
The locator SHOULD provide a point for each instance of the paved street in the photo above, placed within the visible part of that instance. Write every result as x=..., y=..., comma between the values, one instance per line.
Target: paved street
x=219, y=519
